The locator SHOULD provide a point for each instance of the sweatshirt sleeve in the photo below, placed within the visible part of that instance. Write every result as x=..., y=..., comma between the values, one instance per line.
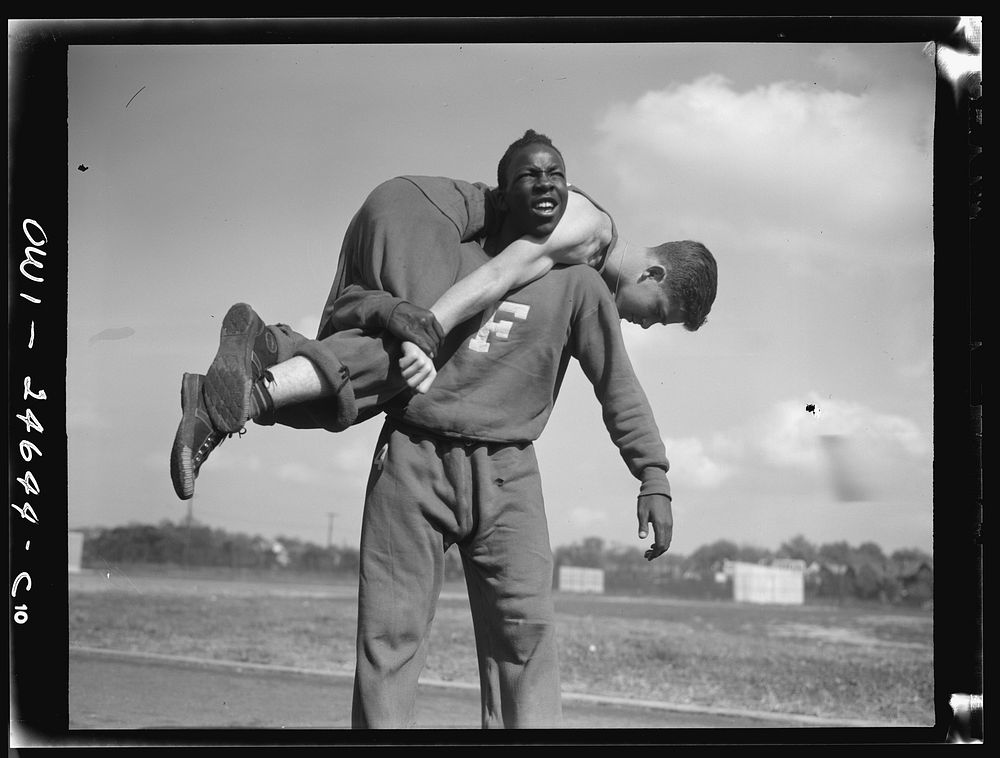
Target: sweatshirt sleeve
x=597, y=343
x=407, y=227
x=362, y=308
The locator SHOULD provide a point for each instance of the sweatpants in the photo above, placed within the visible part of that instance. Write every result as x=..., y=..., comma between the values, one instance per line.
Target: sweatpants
x=406, y=239
x=426, y=494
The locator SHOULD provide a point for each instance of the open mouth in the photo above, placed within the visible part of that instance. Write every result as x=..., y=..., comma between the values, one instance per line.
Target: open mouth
x=544, y=206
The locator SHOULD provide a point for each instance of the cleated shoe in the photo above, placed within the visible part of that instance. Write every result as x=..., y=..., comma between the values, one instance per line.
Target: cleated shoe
x=246, y=349
x=196, y=437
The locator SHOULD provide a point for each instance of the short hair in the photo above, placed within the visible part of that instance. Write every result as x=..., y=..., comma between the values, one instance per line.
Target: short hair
x=531, y=137
x=691, y=280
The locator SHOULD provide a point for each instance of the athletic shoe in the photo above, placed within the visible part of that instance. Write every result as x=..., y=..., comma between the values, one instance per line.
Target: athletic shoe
x=196, y=437
x=246, y=350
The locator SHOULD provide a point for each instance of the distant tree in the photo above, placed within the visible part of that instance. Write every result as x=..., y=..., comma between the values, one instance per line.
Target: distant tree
x=349, y=560
x=622, y=557
x=626, y=571
x=708, y=558
x=593, y=549
x=869, y=582
x=200, y=545
x=589, y=553
x=196, y=544
x=835, y=580
x=835, y=552
x=173, y=542
x=798, y=547
x=310, y=557
x=872, y=552
x=873, y=579
x=910, y=556
x=753, y=554
x=122, y=544
x=913, y=571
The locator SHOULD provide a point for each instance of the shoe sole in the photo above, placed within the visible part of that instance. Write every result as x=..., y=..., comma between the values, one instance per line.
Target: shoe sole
x=181, y=455
x=229, y=379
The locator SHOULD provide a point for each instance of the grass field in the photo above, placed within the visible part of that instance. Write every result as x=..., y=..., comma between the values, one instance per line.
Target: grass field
x=872, y=664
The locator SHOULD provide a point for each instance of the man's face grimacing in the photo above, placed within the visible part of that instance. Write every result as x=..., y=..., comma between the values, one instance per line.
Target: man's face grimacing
x=536, y=193
x=646, y=300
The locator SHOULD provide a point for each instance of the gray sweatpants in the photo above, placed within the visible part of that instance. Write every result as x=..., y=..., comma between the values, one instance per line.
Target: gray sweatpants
x=424, y=495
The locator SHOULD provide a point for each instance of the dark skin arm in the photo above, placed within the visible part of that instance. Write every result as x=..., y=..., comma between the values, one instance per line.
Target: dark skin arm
x=656, y=510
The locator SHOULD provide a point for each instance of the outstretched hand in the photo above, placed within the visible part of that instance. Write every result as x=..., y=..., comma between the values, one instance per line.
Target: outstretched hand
x=656, y=510
x=417, y=368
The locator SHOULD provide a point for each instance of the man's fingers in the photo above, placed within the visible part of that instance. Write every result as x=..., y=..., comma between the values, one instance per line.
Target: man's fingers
x=419, y=377
x=643, y=513
x=660, y=542
x=662, y=535
x=416, y=373
x=423, y=343
x=419, y=340
x=414, y=368
x=422, y=381
x=426, y=383
x=655, y=509
x=422, y=336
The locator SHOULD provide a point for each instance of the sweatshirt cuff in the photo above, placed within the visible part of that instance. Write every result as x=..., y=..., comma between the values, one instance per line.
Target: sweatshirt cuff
x=654, y=482
x=383, y=308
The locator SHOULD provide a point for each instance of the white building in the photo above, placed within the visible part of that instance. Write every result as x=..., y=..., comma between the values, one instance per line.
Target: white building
x=579, y=579
x=778, y=584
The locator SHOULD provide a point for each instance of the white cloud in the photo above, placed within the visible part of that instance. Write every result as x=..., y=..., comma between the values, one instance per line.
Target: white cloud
x=791, y=433
x=783, y=162
x=853, y=452
x=692, y=462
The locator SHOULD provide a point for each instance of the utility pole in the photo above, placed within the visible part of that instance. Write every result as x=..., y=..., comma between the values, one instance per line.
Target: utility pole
x=329, y=530
x=187, y=532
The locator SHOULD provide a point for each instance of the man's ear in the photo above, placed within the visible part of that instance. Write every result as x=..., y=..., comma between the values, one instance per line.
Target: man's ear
x=656, y=272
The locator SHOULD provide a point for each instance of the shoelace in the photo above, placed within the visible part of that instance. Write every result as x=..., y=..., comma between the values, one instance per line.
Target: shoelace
x=210, y=444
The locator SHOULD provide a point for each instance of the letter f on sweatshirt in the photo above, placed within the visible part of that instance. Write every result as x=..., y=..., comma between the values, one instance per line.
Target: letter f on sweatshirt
x=498, y=324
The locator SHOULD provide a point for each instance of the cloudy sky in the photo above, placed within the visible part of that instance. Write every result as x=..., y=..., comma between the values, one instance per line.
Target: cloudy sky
x=228, y=173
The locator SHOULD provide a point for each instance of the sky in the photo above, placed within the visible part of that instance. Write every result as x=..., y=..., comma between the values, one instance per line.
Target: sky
x=227, y=173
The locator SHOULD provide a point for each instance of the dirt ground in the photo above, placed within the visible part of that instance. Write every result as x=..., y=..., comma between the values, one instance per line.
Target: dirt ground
x=855, y=664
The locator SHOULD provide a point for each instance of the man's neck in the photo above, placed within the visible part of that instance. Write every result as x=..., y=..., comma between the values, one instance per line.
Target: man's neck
x=614, y=262
x=493, y=244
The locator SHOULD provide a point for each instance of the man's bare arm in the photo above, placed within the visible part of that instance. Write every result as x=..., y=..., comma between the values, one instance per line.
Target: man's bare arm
x=579, y=237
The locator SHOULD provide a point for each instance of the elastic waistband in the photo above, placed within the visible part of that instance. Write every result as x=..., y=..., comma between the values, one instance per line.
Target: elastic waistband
x=411, y=430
